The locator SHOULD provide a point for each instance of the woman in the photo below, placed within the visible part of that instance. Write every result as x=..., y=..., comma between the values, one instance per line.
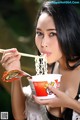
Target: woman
x=57, y=36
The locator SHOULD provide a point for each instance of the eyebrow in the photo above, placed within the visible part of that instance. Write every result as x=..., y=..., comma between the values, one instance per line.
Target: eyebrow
x=47, y=29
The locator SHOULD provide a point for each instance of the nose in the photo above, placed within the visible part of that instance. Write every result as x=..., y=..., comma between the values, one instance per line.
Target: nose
x=44, y=42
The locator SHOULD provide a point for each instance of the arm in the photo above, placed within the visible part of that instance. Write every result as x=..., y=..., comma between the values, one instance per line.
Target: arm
x=17, y=100
x=75, y=105
x=61, y=100
x=11, y=61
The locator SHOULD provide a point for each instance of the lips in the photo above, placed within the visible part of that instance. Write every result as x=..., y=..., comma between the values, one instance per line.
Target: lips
x=47, y=53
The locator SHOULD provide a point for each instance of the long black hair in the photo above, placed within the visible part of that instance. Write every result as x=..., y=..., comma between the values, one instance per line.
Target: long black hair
x=67, y=24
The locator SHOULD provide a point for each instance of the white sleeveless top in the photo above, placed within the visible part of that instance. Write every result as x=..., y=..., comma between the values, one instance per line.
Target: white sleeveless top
x=34, y=111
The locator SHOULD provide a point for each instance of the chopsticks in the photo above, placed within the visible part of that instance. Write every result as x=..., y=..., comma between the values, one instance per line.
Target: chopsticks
x=23, y=54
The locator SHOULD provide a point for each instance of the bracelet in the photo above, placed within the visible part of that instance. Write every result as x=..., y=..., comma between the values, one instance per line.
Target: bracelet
x=10, y=76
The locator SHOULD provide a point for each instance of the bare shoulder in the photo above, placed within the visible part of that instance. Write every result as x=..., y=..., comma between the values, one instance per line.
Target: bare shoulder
x=77, y=71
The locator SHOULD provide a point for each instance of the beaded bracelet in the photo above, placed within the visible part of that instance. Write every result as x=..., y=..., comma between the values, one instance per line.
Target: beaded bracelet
x=10, y=76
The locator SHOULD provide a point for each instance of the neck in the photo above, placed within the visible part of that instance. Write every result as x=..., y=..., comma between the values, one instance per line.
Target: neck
x=50, y=67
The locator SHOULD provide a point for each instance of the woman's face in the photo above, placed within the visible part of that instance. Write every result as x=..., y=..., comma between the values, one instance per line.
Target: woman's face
x=46, y=38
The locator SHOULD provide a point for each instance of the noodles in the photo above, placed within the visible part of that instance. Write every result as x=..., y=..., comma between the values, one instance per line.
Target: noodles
x=41, y=65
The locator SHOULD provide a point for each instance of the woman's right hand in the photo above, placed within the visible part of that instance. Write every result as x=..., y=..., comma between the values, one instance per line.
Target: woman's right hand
x=11, y=59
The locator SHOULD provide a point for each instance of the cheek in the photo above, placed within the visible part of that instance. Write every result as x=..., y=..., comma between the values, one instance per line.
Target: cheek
x=58, y=50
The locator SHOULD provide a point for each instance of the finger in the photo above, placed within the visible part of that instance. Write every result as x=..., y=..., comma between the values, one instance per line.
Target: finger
x=50, y=102
x=9, y=61
x=10, y=50
x=8, y=56
x=40, y=101
x=55, y=91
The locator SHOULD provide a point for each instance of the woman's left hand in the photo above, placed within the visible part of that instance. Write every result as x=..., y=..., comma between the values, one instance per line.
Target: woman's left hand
x=61, y=99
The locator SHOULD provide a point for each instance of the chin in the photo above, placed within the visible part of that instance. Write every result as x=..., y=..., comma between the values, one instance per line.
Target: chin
x=50, y=63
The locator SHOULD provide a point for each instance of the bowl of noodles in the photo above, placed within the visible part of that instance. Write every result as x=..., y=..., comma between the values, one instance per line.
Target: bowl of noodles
x=39, y=85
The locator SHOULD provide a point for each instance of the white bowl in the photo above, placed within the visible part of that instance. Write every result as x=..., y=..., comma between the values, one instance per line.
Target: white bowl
x=39, y=85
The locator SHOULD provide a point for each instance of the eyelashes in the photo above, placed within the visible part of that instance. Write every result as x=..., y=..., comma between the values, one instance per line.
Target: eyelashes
x=52, y=34
x=40, y=34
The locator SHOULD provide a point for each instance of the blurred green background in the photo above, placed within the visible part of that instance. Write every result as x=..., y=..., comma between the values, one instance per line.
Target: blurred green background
x=17, y=18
